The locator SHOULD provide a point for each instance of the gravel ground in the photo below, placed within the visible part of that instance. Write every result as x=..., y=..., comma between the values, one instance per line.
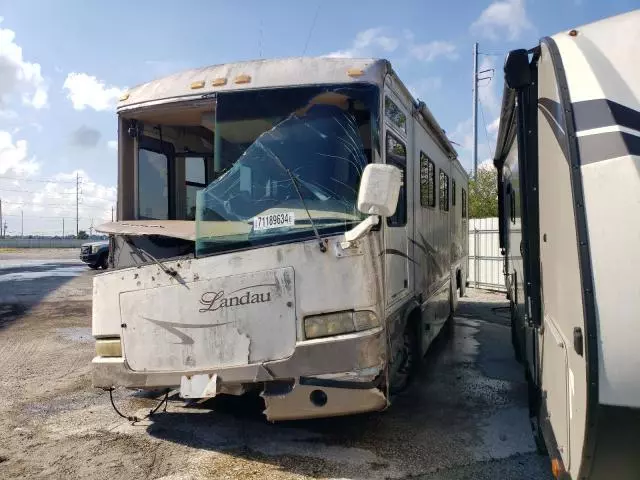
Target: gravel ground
x=465, y=416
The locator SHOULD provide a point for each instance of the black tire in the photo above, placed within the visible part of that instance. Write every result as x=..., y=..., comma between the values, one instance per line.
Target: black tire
x=534, y=415
x=104, y=261
x=515, y=338
x=404, y=366
x=94, y=266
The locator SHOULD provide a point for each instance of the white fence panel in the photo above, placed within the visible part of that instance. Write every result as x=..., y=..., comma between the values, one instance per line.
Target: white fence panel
x=485, y=260
x=42, y=242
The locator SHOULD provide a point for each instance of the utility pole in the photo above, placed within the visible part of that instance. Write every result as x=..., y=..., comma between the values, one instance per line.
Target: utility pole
x=475, y=110
x=91, y=228
x=112, y=213
x=0, y=218
x=77, y=200
x=62, y=227
x=21, y=224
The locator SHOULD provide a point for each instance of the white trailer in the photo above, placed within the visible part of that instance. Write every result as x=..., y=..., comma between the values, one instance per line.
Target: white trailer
x=294, y=227
x=568, y=158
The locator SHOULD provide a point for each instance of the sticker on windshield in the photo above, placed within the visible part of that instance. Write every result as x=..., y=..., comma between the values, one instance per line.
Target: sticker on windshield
x=274, y=220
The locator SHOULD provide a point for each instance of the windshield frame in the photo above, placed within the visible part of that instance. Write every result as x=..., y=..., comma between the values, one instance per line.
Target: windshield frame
x=214, y=246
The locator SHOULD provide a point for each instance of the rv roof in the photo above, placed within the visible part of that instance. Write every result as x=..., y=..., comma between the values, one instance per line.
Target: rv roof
x=201, y=82
x=196, y=83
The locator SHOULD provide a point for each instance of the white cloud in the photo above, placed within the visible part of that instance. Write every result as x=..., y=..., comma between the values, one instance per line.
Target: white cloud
x=112, y=144
x=503, y=16
x=47, y=206
x=432, y=50
x=423, y=87
x=17, y=76
x=367, y=42
x=494, y=126
x=87, y=91
x=14, y=158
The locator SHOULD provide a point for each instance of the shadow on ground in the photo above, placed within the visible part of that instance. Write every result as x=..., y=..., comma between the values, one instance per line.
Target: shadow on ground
x=464, y=416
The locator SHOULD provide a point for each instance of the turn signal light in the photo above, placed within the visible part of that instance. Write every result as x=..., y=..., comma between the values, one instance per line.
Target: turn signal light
x=108, y=347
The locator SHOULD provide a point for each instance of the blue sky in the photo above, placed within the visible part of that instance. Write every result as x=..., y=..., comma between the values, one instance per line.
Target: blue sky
x=63, y=65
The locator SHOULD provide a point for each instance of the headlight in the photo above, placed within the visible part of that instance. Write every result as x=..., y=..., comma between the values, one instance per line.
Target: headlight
x=95, y=248
x=337, y=323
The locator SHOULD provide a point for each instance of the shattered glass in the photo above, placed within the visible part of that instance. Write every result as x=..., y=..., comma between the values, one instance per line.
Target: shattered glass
x=320, y=137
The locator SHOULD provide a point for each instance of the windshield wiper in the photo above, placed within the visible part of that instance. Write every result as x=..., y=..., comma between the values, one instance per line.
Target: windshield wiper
x=294, y=180
x=168, y=270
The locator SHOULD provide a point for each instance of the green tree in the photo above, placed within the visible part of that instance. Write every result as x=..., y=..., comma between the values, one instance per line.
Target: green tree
x=83, y=235
x=483, y=194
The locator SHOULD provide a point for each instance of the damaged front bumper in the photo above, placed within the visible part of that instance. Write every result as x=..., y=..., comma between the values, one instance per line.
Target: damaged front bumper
x=324, y=377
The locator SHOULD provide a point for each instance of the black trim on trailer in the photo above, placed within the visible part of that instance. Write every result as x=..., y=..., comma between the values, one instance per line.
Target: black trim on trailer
x=584, y=255
x=333, y=383
x=605, y=146
x=604, y=113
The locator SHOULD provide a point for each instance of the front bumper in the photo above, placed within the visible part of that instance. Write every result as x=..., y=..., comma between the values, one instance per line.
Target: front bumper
x=90, y=258
x=347, y=368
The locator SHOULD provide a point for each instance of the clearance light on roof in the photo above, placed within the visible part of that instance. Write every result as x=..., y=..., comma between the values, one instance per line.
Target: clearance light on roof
x=124, y=96
x=218, y=82
x=196, y=85
x=243, y=79
x=355, y=72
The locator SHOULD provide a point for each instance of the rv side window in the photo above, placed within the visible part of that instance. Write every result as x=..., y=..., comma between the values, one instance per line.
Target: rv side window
x=453, y=192
x=464, y=203
x=195, y=179
x=395, y=115
x=444, y=191
x=153, y=185
x=397, y=155
x=427, y=181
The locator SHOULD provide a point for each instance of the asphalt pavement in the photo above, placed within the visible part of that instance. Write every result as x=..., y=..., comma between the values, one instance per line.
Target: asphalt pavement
x=464, y=417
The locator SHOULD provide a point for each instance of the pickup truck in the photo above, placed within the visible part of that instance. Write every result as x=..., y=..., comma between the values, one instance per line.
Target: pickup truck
x=95, y=254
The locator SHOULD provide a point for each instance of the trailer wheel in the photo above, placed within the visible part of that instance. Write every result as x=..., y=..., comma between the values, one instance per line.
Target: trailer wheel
x=515, y=340
x=534, y=415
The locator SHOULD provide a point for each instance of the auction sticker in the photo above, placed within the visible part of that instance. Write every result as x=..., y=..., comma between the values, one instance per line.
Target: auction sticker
x=274, y=220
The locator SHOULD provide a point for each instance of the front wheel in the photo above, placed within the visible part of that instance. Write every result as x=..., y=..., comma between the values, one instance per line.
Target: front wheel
x=404, y=364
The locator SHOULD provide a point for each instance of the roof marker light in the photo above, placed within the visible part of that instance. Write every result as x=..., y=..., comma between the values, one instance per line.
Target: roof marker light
x=355, y=72
x=243, y=78
x=218, y=82
x=198, y=84
x=124, y=97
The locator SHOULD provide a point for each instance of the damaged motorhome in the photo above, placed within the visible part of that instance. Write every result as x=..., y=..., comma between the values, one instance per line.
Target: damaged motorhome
x=294, y=227
x=568, y=160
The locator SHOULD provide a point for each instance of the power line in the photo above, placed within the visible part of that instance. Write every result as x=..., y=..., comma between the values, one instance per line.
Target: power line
x=56, y=204
x=313, y=24
x=21, y=179
x=486, y=130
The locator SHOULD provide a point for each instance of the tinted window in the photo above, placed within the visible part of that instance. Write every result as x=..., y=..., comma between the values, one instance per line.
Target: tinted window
x=393, y=113
x=453, y=192
x=195, y=179
x=464, y=203
x=397, y=155
x=153, y=185
x=427, y=181
x=444, y=191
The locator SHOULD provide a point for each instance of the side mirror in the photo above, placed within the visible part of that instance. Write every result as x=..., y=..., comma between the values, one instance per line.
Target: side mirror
x=379, y=189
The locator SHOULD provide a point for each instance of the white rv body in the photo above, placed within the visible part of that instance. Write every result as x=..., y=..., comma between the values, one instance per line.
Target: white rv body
x=569, y=166
x=319, y=328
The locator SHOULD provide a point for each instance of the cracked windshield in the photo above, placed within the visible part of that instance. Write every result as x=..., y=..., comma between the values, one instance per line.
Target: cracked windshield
x=287, y=160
